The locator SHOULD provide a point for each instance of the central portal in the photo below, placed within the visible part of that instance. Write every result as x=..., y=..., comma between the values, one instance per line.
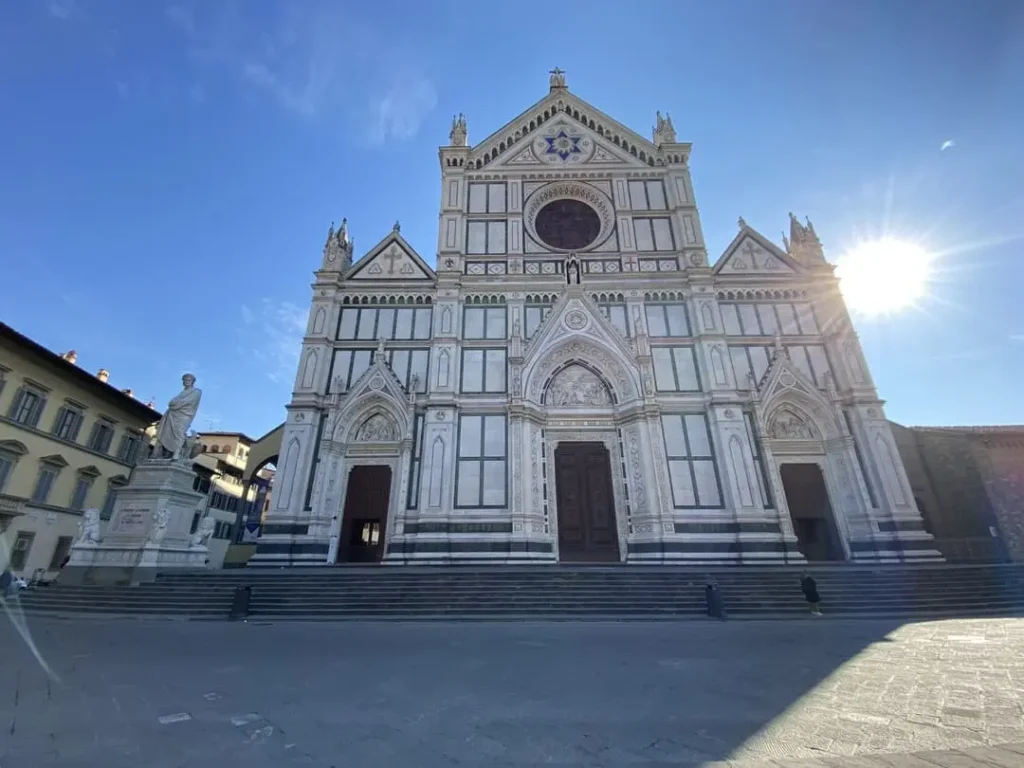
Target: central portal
x=809, y=507
x=366, y=514
x=586, y=507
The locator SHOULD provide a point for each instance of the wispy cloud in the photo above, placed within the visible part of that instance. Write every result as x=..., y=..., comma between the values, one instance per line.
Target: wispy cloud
x=62, y=9
x=274, y=330
x=1017, y=337
x=947, y=144
x=316, y=61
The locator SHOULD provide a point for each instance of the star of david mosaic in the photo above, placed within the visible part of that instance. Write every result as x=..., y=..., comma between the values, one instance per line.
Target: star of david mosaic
x=563, y=145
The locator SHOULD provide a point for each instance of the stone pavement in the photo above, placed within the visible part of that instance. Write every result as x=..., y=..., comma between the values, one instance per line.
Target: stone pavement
x=796, y=693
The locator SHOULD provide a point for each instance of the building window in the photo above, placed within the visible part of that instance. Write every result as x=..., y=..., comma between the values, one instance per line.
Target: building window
x=7, y=462
x=102, y=435
x=486, y=237
x=60, y=552
x=675, y=369
x=535, y=315
x=128, y=450
x=769, y=319
x=484, y=323
x=349, y=365
x=109, y=501
x=22, y=547
x=691, y=461
x=407, y=363
x=762, y=470
x=68, y=422
x=487, y=198
x=480, y=475
x=811, y=361
x=617, y=315
x=414, y=466
x=667, y=320
x=483, y=370
x=80, y=493
x=27, y=406
x=647, y=195
x=747, y=361
x=44, y=483
x=372, y=323
x=653, y=234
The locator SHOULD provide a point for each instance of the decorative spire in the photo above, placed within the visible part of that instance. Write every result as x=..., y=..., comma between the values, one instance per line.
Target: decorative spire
x=803, y=244
x=397, y=228
x=664, y=131
x=338, y=248
x=457, y=135
x=742, y=223
x=557, y=79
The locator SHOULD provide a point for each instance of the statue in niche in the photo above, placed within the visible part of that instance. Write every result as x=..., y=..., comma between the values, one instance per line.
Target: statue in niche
x=572, y=270
x=788, y=426
x=576, y=386
x=376, y=429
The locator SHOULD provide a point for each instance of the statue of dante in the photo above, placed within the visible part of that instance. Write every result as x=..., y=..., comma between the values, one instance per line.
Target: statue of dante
x=173, y=426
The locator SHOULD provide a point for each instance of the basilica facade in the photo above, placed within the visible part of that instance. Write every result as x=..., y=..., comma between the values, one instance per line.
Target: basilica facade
x=575, y=380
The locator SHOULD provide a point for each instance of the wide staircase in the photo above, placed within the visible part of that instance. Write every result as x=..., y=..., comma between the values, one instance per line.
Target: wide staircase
x=548, y=593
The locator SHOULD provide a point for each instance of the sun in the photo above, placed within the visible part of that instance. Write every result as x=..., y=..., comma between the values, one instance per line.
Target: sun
x=884, y=276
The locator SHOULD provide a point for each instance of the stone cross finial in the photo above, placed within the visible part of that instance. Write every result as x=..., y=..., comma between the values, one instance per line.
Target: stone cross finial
x=742, y=222
x=557, y=79
x=397, y=228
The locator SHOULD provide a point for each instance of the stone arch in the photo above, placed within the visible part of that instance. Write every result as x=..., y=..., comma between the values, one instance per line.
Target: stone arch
x=377, y=427
x=621, y=377
x=577, y=383
x=309, y=370
x=352, y=418
x=795, y=408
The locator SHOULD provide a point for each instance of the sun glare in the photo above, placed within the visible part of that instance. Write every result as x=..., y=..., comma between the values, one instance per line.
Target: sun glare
x=884, y=276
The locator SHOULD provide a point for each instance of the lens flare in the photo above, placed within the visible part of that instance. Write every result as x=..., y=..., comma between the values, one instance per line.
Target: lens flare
x=884, y=276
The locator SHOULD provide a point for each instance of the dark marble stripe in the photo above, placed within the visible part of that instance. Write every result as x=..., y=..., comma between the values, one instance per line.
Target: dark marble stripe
x=441, y=547
x=891, y=526
x=891, y=545
x=284, y=529
x=732, y=528
x=291, y=548
x=719, y=547
x=415, y=528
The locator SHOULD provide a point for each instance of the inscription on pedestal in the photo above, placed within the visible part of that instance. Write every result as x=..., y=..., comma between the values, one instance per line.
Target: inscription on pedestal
x=131, y=521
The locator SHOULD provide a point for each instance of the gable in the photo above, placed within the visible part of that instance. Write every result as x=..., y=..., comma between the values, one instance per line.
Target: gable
x=391, y=259
x=752, y=254
x=515, y=143
x=563, y=142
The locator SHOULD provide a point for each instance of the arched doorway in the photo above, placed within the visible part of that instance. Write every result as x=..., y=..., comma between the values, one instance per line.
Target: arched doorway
x=365, y=515
x=811, y=512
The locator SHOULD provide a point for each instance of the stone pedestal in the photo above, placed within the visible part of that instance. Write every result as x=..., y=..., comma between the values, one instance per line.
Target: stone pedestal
x=148, y=532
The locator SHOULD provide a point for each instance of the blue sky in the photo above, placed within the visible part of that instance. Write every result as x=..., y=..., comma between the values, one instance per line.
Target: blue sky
x=168, y=171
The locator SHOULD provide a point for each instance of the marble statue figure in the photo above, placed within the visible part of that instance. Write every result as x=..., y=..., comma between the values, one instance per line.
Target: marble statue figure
x=173, y=425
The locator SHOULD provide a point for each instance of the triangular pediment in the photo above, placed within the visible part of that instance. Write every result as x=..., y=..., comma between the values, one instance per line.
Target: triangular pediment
x=575, y=315
x=751, y=253
x=391, y=259
x=378, y=379
x=377, y=390
x=792, y=407
x=590, y=138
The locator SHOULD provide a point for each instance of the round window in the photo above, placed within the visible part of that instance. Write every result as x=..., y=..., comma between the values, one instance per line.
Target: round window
x=567, y=225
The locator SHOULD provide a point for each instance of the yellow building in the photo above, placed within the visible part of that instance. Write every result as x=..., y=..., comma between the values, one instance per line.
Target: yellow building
x=68, y=441
x=224, y=457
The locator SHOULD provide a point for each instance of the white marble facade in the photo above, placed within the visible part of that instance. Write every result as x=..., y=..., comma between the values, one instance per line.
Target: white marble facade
x=573, y=301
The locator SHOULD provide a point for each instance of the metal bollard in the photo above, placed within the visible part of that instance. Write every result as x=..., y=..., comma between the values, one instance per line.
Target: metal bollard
x=240, y=603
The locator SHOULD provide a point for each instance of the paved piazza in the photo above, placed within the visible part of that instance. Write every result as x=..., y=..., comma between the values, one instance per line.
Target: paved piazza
x=170, y=693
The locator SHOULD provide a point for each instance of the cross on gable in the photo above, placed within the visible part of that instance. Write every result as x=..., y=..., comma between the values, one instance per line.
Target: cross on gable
x=751, y=250
x=392, y=256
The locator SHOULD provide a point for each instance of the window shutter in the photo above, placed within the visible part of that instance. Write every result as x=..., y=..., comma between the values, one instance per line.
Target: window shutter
x=16, y=402
x=73, y=434
x=33, y=418
x=92, y=435
x=57, y=421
